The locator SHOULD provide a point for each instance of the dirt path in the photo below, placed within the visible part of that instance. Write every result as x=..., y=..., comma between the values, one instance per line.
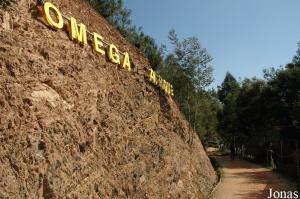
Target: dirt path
x=243, y=179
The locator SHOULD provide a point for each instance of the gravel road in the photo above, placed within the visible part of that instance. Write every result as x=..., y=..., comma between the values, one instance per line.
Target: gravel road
x=243, y=179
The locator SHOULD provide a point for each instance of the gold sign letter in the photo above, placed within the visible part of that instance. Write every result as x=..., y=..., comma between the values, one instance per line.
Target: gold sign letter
x=98, y=44
x=171, y=90
x=75, y=34
x=113, y=54
x=47, y=15
x=126, y=62
x=152, y=77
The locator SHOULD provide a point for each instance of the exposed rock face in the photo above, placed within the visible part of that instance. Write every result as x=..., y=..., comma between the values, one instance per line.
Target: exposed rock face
x=73, y=125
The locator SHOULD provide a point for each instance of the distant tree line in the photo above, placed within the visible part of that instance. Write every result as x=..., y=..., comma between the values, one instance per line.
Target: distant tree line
x=259, y=112
x=253, y=115
x=187, y=67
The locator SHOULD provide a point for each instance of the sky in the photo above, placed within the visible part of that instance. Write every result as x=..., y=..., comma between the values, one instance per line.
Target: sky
x=243, y=36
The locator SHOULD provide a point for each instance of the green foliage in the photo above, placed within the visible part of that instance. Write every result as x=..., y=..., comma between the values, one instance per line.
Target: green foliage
x=271, y=73
x=284, y=91
x=255, y=114
x=118, y=16
x=193, y=60
x=6, y=3
x=188, y=62
x=229, y=85
x=187, y=68
x=146, y=44
x=217, y=167
x=296, y=59
x=114, y=12
x=228, y=93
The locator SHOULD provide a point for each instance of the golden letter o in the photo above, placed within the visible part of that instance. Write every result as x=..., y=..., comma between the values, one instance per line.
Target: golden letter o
x=54, y=24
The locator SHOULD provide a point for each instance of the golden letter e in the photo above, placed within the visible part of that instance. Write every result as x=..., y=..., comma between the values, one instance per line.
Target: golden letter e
x=59, y=22
x=98, y=44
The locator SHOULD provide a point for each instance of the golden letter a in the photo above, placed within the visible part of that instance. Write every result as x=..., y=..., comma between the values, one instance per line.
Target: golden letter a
x=126, y=62
x=152, y=77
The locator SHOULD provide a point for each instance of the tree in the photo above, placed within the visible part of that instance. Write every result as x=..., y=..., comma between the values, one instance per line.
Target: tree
x=114, y=12
x=284, y=90
x=191, y=60
x=296, y=59
x=227, y=116
x=118, y=16
x=194, y=60
x=187, y=67
x=261, y=112
x=147, y=45
x=271, y=73
x=229, y=85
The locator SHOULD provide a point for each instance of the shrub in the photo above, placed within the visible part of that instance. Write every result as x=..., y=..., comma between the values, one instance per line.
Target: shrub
x=6, y=3
x=217, y=167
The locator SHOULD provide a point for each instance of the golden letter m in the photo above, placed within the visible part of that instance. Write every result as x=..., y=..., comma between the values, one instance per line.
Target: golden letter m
x=77, y=34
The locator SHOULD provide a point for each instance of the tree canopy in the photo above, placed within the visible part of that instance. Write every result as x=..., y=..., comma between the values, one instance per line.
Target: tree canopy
x=256, y=112
x=187, y=67
x=118, y=16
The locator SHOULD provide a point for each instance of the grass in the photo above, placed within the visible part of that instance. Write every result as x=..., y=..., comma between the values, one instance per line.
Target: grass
x=219, y=171
x=217, y=167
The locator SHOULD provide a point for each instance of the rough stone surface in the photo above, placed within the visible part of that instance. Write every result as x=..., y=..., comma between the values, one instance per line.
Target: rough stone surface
x=73, y=125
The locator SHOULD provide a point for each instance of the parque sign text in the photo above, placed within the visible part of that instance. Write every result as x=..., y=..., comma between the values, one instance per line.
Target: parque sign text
x=78, y=33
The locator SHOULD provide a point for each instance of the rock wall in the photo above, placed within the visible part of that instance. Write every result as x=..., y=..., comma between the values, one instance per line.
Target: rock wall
x=73, y=125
